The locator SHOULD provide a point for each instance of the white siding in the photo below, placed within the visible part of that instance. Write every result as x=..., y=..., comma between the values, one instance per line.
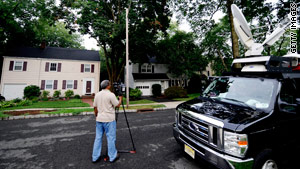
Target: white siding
x=35, y=73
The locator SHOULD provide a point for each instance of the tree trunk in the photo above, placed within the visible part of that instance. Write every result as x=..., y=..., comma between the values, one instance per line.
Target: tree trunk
x=234, y=37
x=223, y=62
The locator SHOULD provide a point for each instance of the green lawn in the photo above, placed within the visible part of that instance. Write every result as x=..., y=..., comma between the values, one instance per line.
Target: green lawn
x=142, y=101
x=190, y=97
x=52, y=104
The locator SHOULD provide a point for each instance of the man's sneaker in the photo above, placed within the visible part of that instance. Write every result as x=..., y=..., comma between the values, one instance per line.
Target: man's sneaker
x=118, y=156
x=96, y=160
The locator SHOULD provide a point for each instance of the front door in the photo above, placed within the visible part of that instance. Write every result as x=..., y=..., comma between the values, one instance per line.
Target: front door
x=88, y=87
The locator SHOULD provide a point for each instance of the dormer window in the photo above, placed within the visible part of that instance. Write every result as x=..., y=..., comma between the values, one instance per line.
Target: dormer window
x=146, y=68
x=53, y=67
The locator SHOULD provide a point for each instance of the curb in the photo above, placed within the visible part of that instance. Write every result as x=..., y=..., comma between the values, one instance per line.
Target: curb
x=68, y=114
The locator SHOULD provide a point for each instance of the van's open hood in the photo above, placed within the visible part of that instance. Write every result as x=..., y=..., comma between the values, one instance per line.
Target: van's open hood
x=226, y=112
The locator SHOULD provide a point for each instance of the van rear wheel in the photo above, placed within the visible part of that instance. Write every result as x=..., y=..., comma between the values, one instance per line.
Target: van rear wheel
x=265, y=160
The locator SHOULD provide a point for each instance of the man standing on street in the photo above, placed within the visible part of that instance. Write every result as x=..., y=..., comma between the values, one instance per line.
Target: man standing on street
x=104, y=107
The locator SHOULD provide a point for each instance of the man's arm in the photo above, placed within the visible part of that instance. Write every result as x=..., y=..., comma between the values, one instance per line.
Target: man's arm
x=95, y=111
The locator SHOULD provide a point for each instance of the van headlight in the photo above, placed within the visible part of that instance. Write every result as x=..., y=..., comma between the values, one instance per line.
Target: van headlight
x=235, y=144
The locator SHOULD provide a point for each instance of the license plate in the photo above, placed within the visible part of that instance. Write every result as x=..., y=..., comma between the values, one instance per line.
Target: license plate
x=189, y=151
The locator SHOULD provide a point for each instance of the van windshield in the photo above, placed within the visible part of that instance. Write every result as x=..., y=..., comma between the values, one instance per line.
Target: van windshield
x=255, y=93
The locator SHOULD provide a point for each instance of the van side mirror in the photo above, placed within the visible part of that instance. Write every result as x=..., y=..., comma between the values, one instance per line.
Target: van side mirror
x=298, y=102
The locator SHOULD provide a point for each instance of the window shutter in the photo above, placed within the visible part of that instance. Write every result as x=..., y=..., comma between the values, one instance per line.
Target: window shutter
x=82, y=68
x=59, y=67
x=152, y=68
x=75, y=84
x=43, y=85
x=64, y=84
x=24, y=66
x=11, y=65
x=55, y=84
x=93, y=67
x=47, y=67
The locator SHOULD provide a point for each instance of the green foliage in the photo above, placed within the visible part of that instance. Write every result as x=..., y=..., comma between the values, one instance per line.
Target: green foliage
x=77, y=96
x=35, y=99
x=45, y=95
x=182, y=54
x=156, y=90
x=56, y=93
x=25, y=103
x=6, y=104
x=175, y=92
x=31, y=92
x=69, y=93
x=196, y=83
x=135, y=94
x=105, y=21
x=17, y=100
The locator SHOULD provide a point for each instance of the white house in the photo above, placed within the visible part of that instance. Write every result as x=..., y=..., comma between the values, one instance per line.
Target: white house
x=51, y=69
x=143, y=76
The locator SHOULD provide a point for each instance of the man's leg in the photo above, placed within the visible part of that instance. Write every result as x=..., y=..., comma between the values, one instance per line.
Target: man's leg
x=97, y=142
x=110, y=130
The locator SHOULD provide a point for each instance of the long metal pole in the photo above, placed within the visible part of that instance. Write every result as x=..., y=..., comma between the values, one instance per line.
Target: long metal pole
x=127, y=65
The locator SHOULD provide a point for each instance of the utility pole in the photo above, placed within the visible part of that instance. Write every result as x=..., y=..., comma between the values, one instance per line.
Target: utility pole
x=127, y=65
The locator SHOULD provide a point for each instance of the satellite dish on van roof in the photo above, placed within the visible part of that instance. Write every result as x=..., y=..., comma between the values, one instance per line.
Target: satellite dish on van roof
x=241, y=26
x=244, y=33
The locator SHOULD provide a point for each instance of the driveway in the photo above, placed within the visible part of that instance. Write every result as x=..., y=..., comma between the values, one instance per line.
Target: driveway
x=66, y=142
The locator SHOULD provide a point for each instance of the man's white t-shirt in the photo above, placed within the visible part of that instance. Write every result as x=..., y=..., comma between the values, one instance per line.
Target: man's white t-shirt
x=105, y=101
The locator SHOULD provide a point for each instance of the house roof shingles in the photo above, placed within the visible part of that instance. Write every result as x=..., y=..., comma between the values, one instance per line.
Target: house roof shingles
x=150, y=76
x=55, y=53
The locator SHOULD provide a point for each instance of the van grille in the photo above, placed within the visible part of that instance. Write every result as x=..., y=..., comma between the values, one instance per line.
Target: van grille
x=200, y=130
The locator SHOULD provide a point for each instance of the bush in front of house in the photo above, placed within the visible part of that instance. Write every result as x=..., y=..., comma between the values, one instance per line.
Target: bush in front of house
x=175, y=92
x=69, y=93
x=45, y=95
x=77, y=96
x=56, y=93
x=6, y=104
x=31, y=92
x=135, y=94
x=24, y=103
x=156, y=90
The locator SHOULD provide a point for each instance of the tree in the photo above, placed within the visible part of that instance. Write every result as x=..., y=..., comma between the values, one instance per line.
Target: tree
x=29, y=23
x=182, y=54
x=105, y=21
x=200, y=13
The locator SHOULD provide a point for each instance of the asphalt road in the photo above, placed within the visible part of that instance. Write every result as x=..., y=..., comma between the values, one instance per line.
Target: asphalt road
x=66, y=142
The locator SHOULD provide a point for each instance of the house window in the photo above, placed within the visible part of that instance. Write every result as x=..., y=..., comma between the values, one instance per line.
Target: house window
x=87, y=68
x=49, y=84
x=53, y=67
x=70, y=84
x=146, y=69
x=18, y=66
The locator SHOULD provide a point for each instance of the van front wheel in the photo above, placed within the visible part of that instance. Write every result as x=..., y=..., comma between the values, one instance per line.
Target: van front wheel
x=265, y=160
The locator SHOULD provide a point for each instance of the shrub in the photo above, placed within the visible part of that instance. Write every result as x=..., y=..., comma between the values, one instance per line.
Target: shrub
x=77, y=96
x=35, y=100
x=197, y=83
x=45, y=95
x=56, y=94
x=6, y=104
x=31, y=92
x=156, y=90
x=175, y=92
x=135, y=94
x=17, y=100
x=25, y=103
x=69, y=93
